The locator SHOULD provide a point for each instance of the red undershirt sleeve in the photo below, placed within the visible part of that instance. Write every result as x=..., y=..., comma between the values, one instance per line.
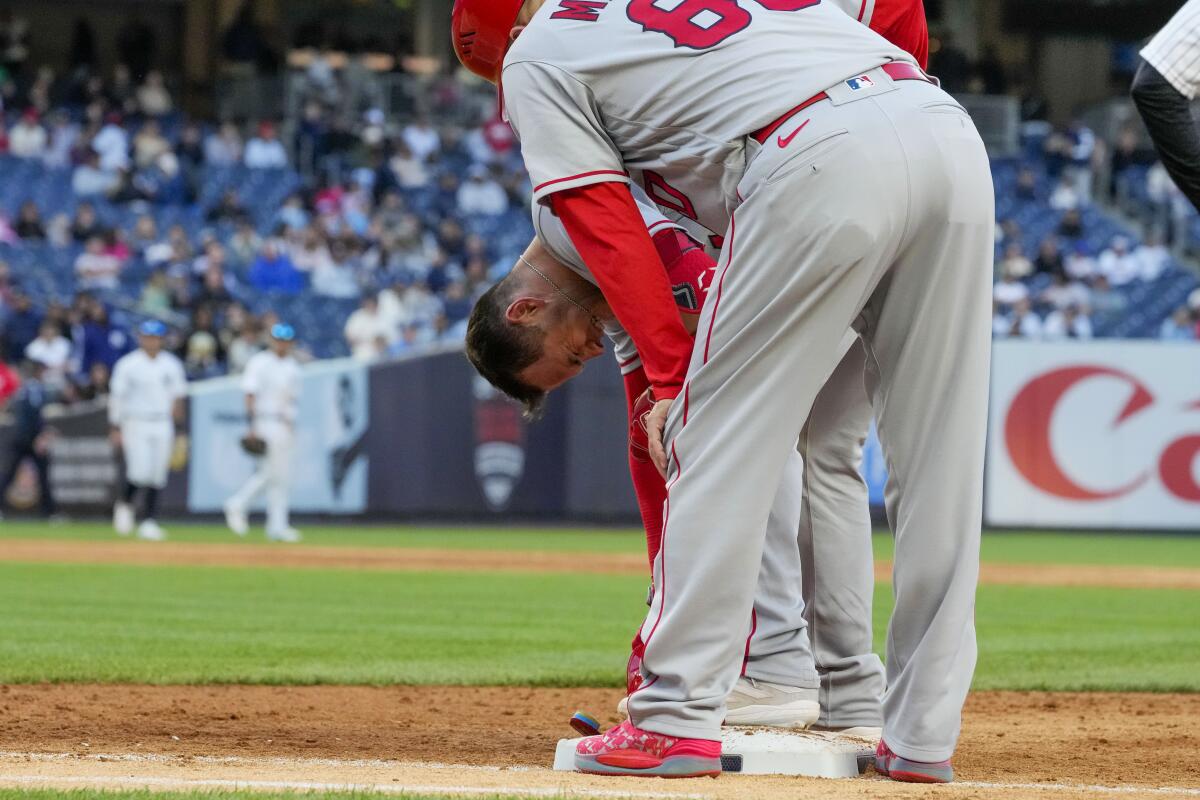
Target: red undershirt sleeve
x=608, y=231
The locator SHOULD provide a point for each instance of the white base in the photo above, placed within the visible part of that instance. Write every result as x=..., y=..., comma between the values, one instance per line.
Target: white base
x=771, y=751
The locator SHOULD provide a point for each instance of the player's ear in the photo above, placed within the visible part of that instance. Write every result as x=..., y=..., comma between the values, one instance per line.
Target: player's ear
x=524, y=310
x=514, y=33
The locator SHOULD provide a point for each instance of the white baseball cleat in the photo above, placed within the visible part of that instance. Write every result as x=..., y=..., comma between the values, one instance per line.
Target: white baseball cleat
x=150, y=532
x=123, y=518
x=235, y=519
x=285, y=535
x=771, y=705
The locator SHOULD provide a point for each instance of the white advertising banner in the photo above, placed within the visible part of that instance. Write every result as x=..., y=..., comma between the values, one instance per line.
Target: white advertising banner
x=1098, y=434
x=329, y=464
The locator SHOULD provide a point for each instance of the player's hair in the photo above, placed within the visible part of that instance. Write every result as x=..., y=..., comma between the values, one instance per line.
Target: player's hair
x=499, y=350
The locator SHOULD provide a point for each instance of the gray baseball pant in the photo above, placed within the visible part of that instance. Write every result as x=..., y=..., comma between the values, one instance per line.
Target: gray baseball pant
x=878, y=215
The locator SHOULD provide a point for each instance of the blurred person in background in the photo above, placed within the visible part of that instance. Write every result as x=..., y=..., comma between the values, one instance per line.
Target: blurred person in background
x=1118, y=264
x=273, y=271
x=1153, y=256
x=103, y=342
x=368, y=332
x=265, y=151
x=244, y=346
x=27, y=138
x=29, y=222
x=224, y=147
x=1071, y=322
x=1178, y=327
x=95, y=385
x=30, y=437
x=145, y=404
x=271, y=383
x=481, y=195
x=52, y=351
x=1024, y=323
x=152, y=96
x=21, y=324
x=1108, y=304
x=10, y=378
x=95, y=268
x=155, y=299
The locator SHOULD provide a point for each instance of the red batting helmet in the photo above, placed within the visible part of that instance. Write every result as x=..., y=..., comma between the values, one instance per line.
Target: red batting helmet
x=480, y=30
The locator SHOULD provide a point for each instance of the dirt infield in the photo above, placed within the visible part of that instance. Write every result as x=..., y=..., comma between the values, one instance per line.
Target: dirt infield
x=426, y=559
x=1014, y=745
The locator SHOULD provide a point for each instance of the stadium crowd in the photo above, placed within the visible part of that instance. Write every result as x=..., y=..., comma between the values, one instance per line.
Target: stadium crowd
x=410, y=223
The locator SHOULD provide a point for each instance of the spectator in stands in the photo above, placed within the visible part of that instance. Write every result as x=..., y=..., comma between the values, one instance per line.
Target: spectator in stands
x=1108, y=304
x=1024, y=323
x=224, y=147
x=1082, y=149
x=1071, y=322
x=265, y=151
x=246, y=344
x=408, y=171
x=367, y=331
x=1063, y=292
x=273, y=271
x=21, y=324
x=53, y=351
x=1070, y=226
x=152, y=96
x=421, y=305
x=1027, y=184
x=422, y=139
x=1179, y=327
x=336, y=277
x=310, y=253
x=1015, y=265
x=29, y=222
x=292, y=213
x=149, y=144
x=228, y=209
x=245, y=242
x=27, y=138
x=200, y=357
x=1065, y=196
x=1118, y=264
x=481, y=194
x=1153, y=256
x=1079, y=264
x=1049, y=260
x=155, y=300
x=64, y=137
x=112, y=143
x=95, y=268
x=103, y=342
x=7, y=291
x=92, y=180
x=95, y=384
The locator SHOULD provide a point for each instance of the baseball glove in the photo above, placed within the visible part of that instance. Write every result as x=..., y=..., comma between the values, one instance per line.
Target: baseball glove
x=254, y=445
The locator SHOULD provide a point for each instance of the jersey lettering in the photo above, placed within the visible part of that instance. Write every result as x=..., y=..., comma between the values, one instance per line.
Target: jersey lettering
x=666, y=195
x=701, y=24
x=580, y=10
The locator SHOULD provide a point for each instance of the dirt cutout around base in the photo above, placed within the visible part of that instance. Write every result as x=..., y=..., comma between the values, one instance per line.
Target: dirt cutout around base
x=1018, y=739
x=432, y=559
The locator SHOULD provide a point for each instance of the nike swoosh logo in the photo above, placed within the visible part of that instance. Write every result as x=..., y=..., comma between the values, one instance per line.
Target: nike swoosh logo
x=782, y=142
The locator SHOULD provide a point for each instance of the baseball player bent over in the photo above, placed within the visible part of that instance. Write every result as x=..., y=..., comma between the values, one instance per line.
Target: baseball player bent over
x=544, y=295
x=854, y=194
x=271, y=382
x=145, y=402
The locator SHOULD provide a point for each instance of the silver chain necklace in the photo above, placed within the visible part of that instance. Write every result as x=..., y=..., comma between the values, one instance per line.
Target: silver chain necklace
x=556, y=288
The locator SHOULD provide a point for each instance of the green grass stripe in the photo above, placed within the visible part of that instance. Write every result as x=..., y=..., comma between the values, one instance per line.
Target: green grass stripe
x=213, y=625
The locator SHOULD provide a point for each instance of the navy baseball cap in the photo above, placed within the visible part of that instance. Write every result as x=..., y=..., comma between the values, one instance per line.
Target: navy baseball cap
x=283, y=332
x=152, y=327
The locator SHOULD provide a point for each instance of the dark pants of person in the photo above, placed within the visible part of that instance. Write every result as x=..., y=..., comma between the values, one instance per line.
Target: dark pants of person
x=18, y=452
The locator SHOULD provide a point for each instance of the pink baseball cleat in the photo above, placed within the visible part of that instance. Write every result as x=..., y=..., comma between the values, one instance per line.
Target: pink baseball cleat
x=626, y=750
x=898, y=768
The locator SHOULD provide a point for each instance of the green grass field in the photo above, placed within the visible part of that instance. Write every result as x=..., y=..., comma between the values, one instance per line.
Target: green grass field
x=182, y=624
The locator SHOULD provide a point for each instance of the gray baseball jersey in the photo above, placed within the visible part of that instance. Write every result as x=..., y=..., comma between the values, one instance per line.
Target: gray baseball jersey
x=651, y=94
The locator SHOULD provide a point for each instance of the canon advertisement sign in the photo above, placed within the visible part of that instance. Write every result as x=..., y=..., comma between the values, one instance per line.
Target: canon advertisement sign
x=1095, y=435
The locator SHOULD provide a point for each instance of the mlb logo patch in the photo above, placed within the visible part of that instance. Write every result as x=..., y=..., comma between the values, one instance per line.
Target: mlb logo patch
x=861, y=82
